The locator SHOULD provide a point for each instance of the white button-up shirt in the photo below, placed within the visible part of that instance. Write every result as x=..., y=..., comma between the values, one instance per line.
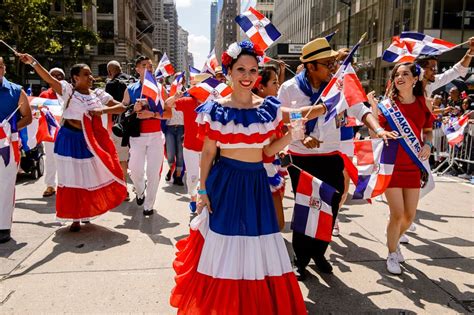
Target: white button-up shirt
x=458, y=70
x=291, y=96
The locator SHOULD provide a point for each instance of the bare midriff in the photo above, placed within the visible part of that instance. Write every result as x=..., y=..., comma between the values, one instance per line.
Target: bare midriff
x=75, y=123
x=242, y=154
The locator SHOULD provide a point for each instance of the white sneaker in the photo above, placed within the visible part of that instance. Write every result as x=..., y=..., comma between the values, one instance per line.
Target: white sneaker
x=400, y=257
x=335, y=230
x=404, y=239
x=393, y=266
x=379, y=198
x=412, y=227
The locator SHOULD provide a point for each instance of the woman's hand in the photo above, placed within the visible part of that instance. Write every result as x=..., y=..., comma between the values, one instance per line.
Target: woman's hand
x=145, y=114
x=203, y=201
x=96, y=112
x=425, y=152
x=385, y=135
x=170, y=101
x=26, y=58
x=371, y=98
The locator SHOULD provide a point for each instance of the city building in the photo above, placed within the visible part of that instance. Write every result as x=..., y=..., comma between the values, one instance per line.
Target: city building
x=227, y=29
x=170, y=14
x=182, y=55
x=213, y=25
x=161, y=34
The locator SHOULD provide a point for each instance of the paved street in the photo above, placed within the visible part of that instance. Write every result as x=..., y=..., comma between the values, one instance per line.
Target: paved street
x=122, y=262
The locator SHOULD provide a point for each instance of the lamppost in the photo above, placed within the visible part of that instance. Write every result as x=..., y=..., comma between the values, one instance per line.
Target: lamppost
x=348, y=4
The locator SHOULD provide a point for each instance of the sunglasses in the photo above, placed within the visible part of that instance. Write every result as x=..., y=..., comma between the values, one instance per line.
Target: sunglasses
x=329, y=65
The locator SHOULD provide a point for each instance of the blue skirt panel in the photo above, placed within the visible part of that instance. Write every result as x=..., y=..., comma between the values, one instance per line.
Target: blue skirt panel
x=71, y=143
x=241, y=199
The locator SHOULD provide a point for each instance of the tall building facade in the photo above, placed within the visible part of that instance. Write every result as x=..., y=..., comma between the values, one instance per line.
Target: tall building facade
x=213, y=25
x=182, y=56
x=161, y=34
x=450, y=20
x=266, y=7
x=293, y=19
x=170, y=14
x=227, y=29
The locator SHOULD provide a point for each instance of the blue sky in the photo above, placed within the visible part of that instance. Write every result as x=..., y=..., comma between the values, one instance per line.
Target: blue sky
x=194, y=17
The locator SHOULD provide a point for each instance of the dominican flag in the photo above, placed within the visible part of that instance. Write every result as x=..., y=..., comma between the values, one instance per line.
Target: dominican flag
x=9, y=142
x=43, y=127
x=312, y=214
x=210, y=89
x=154, y=92
x=375, y=163
x=192, y=73
x=409, y=45
x=330, y=36
x=177, y=83
x=52, y=105
x=165, y=68
x=455, y=131
x=258, y=28
x=344, y=90
x=211, y=63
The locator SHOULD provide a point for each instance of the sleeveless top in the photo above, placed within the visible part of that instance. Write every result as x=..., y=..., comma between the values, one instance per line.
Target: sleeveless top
x=234, y=128
x=79, y=104
x=146, y=125
x=9, y=97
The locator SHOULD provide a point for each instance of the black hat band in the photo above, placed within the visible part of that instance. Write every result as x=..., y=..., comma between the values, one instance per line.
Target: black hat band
x=311, y=54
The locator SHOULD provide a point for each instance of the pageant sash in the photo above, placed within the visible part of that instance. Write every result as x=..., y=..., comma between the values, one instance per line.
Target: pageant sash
x=409, y=142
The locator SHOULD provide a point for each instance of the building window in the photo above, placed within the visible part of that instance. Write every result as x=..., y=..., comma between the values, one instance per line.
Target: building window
x=105, y=29
x=105, y=6
x=106, y=49
x=103, y=70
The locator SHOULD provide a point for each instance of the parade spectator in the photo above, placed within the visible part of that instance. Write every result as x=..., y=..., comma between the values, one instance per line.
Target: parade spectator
x=174, y=147
x=116, y=86
x=242, y=230
x=403, y=192
x=432, y=81
x=13, y=101
x=321, y=160
x=87, y=186
x=146, y=141
x=454, y=99
x=50, y=165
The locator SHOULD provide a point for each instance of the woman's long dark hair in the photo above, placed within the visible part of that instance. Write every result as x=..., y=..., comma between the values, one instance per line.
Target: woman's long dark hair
x=415, y=71
x=76, y=69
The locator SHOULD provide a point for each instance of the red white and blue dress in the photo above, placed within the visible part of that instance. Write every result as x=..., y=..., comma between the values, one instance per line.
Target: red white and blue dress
x=235, y=260
x=90, y=178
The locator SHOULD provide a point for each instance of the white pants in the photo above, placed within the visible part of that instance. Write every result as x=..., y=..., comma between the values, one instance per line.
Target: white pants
x=7, y=192
x=192, y=160
x=50, y=169
x=146, y=155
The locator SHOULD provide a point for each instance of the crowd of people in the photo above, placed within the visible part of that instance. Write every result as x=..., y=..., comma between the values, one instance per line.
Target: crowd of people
x=229, y=152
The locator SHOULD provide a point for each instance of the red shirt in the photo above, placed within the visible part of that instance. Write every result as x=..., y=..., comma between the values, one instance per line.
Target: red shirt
x=49, y=93
x=187, y=105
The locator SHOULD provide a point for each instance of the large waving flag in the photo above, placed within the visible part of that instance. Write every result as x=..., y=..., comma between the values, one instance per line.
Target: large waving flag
x=210, y=89
x=375, y=163
x=455, y=131
x=154, y=92
x=258, y=28
x=165, y=68
x=211, y=63
x=177, y=83
x=344, y=90
x=52, y=105
x=192, y=73
x=8, y=141
x=312, y=214
x=409, y=45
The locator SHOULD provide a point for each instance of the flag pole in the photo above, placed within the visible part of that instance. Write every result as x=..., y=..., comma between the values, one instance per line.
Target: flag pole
x=349, y=55
x=286, y=65
x=14, y=51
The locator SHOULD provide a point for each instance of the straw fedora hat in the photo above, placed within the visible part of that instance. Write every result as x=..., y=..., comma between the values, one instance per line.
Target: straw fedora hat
x=316, y=49
x=198, y=78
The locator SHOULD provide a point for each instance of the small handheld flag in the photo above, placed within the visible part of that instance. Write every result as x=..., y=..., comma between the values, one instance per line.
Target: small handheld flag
x=210, y=89
x=165, y=68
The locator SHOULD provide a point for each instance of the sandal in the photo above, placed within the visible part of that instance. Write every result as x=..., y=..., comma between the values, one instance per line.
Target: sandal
x=50, y=191
x=75, y=227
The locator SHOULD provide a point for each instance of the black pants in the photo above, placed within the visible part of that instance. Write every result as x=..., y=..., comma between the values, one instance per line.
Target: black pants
x=328, y=169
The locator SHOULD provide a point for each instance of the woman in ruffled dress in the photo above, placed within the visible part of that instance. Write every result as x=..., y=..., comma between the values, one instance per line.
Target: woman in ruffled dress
x=235, y=260
x=90, y=180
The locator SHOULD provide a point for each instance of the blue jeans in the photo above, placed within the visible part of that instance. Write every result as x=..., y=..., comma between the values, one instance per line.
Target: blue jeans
x=174, y=145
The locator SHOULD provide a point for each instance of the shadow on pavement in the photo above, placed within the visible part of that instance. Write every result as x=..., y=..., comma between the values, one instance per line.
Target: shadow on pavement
x=91, y=238
x=39, y=205
x=10, y=247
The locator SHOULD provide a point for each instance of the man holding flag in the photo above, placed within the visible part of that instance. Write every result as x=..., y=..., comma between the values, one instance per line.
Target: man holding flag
x=319, y=152
x=146, y=138
x=15, y=114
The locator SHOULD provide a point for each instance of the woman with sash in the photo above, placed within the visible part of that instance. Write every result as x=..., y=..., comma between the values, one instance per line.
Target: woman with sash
x=405, y=112
x=235, y=260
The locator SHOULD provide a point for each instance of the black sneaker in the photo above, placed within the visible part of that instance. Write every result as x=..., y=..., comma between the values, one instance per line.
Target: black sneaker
x=323, y=265
x=148, y=212
x=300, y=273
x=141, y=200
x=4, y=236
x=178, y=181
x=168, y=176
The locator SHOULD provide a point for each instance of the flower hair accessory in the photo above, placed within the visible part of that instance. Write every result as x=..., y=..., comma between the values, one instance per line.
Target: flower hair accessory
x=419, y=72
x=234, y=51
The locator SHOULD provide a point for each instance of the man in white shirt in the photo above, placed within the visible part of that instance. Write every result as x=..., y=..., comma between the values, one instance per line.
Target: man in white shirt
x=319, y=152
x=432, y=80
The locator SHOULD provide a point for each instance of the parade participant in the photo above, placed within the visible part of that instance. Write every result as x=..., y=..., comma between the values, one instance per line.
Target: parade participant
x=406, y=93
x=432, y=81
x=90, y=180
x=146, y=142
x=174, y=146
x=50, y=165
x=322, y=160
x=220, y=75
x=192, y=145
x=235, y=260
x=12, y=97
x=116, y=86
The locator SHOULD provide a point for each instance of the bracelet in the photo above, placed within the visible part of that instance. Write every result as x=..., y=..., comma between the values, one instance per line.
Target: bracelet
x=428, y=142
x=34, y=63
x=202, y=192
x=379, y=130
